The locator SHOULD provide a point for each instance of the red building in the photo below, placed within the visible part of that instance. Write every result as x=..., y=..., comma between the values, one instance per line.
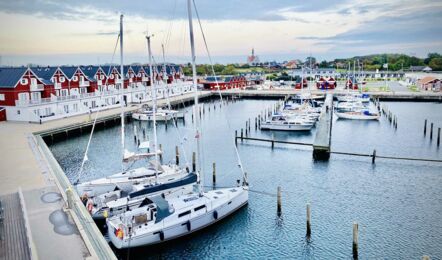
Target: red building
x=326, y=83
x=228, y=82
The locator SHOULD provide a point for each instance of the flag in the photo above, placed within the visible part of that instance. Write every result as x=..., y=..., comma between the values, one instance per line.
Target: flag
x=385, y=66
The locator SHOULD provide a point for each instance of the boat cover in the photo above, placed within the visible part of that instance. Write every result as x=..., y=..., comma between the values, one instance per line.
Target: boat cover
x=163, y=209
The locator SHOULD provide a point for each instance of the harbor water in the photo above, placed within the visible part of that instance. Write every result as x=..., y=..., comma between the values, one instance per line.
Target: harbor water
x=397, y=203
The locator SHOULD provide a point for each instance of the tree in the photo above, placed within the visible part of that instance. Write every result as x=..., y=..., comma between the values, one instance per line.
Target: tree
x=436, y=64
x=431, y=56
x=310, y=61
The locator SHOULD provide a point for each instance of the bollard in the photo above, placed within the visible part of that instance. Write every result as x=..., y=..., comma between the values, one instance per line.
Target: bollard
x=355, y=240
x=279, y=208
x=373, y=159
x=161, y=153
x=214, y=174
x=309, y=230
x=177, y=156
x=431, y=131
x=242, y=135
x=194, y=162
x=438, y=136
x=425, y=127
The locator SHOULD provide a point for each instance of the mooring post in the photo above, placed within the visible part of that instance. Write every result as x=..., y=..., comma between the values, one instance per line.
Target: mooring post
x=194, y=162
x=279, y=208
x=246, y=129
x=192, y=117
x=309, y=230
x=177, y=156
x=273, y=141
x=236, y=137
x=161, y=153
x=431, y=131
x=256, y=123
x=355, y=240
x=373, y=158
x=214, y=174
x=138, y=142
x=425, y=127
x=249, y=125
x=438, y=136
x=242, y=135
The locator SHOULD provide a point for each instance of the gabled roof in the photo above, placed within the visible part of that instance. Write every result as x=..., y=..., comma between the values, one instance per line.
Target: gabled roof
x=44, y=73
x=108, y=69
x=69, y=71
x=90, y=71
x=10, y=76
x=426, y=80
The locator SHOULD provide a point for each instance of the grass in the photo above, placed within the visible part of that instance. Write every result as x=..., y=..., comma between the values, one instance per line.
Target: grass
x=413, y=88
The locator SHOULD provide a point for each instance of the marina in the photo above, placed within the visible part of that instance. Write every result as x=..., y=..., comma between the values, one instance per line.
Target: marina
x=171, y=154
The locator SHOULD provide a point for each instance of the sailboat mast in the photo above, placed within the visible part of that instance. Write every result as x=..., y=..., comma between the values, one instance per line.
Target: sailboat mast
x=154, y=106
x=194, y=83
x=122, y=85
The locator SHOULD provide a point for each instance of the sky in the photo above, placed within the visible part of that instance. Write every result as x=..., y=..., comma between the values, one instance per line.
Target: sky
x=55, y=32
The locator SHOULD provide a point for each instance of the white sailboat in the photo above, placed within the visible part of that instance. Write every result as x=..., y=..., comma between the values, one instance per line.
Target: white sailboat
x=161, y=218
x=126, y=180
x=162, y=114
x=285, y=123
x=363, y=114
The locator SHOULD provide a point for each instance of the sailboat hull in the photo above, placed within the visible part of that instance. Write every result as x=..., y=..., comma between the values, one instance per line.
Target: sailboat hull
x=181, y=227
x=356, y=116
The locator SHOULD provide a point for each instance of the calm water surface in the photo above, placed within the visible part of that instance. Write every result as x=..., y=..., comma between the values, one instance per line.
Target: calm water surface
x=398, y=204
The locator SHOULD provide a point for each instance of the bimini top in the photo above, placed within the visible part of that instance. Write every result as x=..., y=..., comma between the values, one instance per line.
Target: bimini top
x=163, y=209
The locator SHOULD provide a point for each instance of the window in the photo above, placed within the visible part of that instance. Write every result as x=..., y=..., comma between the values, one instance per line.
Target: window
x=139, y=75
x=37, y=112
x=35, y=95
x=94, y=103
x=2, y=97
x=75, y=107
x=23, y=96
x=199, y=207
x=102, y=77
x=64, y=92
x=111, y=76
x=24, y=81
x=18, y=112
x=85, y=104
x=75, y=78
x=66, y=108
x=184, y=214
x=48, y=111
x=62, y=79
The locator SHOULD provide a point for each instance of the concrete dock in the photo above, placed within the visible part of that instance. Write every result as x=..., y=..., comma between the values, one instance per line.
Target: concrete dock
x=322, y=142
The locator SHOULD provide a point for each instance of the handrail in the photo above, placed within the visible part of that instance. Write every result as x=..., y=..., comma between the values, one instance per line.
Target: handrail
x=94, y=236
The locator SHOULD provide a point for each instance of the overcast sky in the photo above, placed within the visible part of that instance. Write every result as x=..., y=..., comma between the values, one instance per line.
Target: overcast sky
x=52, y=32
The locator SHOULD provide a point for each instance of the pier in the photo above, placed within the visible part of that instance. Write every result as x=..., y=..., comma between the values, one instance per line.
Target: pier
x=322, y=142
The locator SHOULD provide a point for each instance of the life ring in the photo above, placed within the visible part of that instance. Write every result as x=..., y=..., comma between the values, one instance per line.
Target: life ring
x=189, y=225
x=161, y=235
x=215, y=214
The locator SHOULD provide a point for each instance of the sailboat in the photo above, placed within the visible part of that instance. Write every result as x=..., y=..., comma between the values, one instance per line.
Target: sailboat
x=146, y=179
x=161, y=218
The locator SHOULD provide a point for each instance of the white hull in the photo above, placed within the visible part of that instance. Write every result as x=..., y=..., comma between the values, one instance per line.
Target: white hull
x=356, y=116
x=174, y=227
x=285, y=127
x=125, y=181
x=159, y=116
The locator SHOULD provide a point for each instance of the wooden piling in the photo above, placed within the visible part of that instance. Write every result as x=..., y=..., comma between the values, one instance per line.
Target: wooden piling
x=256, y=123
x=214, y=174
x=249, y=125
x=242, y=136
x=309, y=230
x=236, y=137
x=279, y=208
x=161, y=153
x=373, y=158
x=194, y=162
x=438, y=136
x=425, y=127
x=431, y=131
x=273, y=141
x=246, y=130
x=177, y=156
x=355, y=240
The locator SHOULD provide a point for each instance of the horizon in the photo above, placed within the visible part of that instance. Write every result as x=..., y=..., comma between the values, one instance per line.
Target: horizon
x=50, y=33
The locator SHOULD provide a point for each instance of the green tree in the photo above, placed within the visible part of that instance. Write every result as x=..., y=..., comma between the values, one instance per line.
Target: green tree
x=436, y=64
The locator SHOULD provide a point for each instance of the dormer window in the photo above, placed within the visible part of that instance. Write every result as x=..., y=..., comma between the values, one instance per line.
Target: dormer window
x=139, y=75
x=24, y=81
x=62, y=79
x=75, y=78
